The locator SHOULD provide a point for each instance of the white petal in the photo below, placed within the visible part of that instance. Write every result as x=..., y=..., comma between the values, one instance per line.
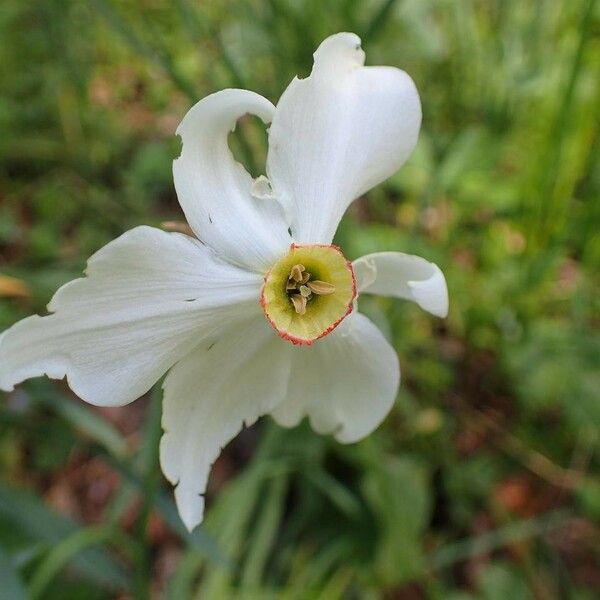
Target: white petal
x=338, y=133
x=209, y=396
x=149, y=298
x=346, y=383
x=215, y=191
x=403, y=276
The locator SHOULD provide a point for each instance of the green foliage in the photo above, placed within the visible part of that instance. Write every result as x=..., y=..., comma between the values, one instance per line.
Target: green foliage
x=483, y=482
x=499, y=581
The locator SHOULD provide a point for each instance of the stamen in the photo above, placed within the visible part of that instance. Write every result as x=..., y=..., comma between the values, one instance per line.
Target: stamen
x=299, y=303
x=297, y=273
x=321, y=288
x=300, y=288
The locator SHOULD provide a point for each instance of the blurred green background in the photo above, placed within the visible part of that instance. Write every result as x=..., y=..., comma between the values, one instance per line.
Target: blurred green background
x=483, y=482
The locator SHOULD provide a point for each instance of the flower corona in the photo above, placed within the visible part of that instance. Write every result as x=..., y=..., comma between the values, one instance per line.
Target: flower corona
x=308, y=292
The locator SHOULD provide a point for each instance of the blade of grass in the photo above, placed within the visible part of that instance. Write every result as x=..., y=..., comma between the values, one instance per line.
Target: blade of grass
x=378, y=21
x=337, y=585
x=549, y=205
x=165, y=505
x=25, y=556
x=337, y=493
x=494, y=540
x=28, y=513
x=150, y=471
x=319, y=565
x=161, y=58
x=81, y=417
x=182, y=579
x=63, y=553
x=265, y=532
x=200, y=30
x=12, y=586
x=231, y=516
x=158, y=57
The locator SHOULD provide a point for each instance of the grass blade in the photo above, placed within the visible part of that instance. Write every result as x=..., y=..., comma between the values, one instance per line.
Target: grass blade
x=494, y=540
x=63, y=553
x=29, y=514
x=12, y=586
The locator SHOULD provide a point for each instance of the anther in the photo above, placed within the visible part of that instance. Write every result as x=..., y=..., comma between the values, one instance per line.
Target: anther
x=299, y=303
x=321, y=288
x=300, y=288
x=297, y=273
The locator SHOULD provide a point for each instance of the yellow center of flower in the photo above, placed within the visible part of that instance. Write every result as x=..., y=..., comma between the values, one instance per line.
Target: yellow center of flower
x=308, y=292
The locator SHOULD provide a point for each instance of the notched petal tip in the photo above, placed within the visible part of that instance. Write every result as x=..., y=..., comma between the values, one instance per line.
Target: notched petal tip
x=373, y=113
x=176, y=145
x=190, y=508
x=339, y=49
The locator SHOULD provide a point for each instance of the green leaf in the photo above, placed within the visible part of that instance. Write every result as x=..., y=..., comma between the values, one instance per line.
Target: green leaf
x=63, y=553
x=588, y=495
x=398, y=492
x=264, y=533
x=10, y=581
x=500, y=581
x=164, y=503
x=339, y=495
x=81, y=417
x=494, y=540
x=34, y=520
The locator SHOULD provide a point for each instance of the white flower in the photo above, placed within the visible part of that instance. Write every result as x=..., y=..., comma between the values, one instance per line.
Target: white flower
x=153, y=301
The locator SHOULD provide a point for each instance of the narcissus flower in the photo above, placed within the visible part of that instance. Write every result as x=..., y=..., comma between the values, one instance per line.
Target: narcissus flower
x=258, y=313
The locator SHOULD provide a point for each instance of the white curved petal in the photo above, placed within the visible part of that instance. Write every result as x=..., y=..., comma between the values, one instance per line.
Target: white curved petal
x=346, y=383
x=149, y=298
x=403, y=276
x=209, y=396
x=338, y=133
x=215, y=191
